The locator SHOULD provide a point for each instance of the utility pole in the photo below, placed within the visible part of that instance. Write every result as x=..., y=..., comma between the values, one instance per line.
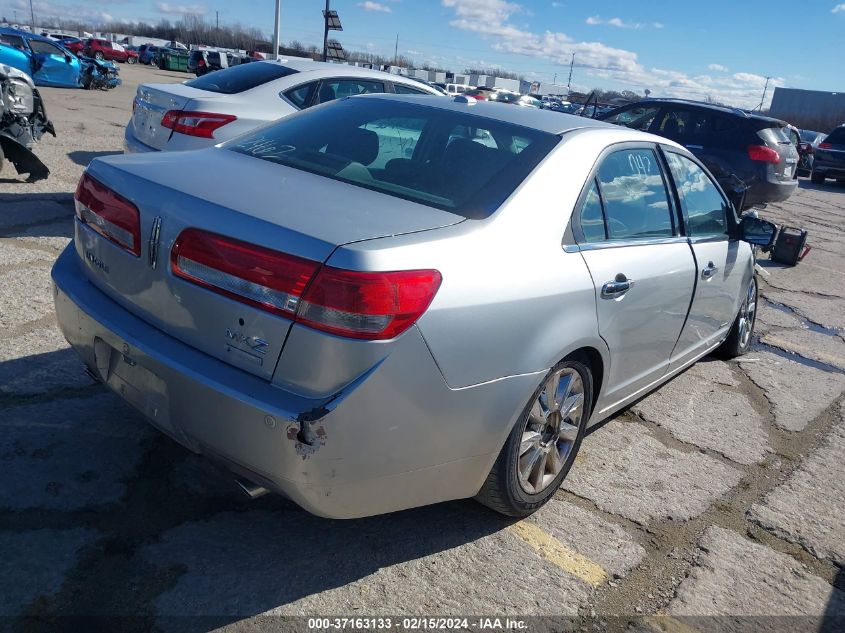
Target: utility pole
x=571, y=66
x=396, y=51
x=277, y=19
x=326, y=33
x=32, y=15
x=760, y=107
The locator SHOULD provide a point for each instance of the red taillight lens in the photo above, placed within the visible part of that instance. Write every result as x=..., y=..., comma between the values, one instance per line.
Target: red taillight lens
x=362, y=305
x=202, y=124
x=259, y=276
x=201, y=63
x=109, y=214
x=373, y=306
x=763, y=154
x=825, y=145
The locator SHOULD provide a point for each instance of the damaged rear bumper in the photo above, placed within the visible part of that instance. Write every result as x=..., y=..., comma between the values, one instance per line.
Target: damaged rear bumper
x=397, y=437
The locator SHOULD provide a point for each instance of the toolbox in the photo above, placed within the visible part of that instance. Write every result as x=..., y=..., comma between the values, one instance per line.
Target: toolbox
x=789, y=246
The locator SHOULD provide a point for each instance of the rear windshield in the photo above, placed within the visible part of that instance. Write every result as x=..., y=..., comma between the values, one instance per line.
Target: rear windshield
x=775, y=135
x=837, y=137
x=240, y=78
x=450, y=160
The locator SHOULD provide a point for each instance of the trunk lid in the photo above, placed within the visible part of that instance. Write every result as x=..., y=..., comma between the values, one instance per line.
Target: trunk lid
x=152, y=101
x=271, y=206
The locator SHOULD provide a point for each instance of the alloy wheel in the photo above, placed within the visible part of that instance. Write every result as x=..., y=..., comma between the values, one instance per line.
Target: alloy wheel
x=748, y=314
x=551, y=429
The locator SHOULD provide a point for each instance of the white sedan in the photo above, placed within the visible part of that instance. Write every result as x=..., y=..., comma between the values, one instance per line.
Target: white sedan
x=227, y=103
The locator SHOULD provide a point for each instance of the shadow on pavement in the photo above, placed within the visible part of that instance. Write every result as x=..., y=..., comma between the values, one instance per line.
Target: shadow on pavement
x=36, y=214
x=83, y=158
x=171, y=541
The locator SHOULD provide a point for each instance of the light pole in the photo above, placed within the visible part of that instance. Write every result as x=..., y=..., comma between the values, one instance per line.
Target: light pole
x=32, y=15
x=276, y=21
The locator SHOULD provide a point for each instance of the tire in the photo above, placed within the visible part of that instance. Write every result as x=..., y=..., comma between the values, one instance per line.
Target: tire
x=506, y=490
x=98, y=56
x=739, y=338
x=817, y=179
x=131, y=60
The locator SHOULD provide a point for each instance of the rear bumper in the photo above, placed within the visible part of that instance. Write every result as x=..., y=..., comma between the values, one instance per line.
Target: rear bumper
x=132, y=145
x=763, y=192
x=828, y=168
x=397, y=437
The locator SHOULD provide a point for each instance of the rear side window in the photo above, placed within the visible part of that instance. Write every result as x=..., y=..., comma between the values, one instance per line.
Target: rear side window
x=402, y=89
x=704, y=207
x=406, y=150
x=12, y=40
x=300, y=96
x=331, y=89
x=592, y=218
x=636, y=203
x=240, y=78
x=837, y=137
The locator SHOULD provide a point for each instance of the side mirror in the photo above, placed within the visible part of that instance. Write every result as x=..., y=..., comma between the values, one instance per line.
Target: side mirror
x=67, y=59
x=758, y=232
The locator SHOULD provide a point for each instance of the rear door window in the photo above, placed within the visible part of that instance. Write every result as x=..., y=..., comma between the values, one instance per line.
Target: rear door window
x=704, y=208
x=636, y=202
x=15, y=41
x=241, y=78
x=686, y=126
x=592, y=217
x=45, y=48
x=331, y=89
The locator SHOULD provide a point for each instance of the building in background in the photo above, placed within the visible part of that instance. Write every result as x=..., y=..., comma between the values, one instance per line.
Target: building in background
x=809, y=109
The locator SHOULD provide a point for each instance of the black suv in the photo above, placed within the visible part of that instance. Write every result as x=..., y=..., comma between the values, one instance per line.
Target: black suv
x=731, y=143
x=829, y=158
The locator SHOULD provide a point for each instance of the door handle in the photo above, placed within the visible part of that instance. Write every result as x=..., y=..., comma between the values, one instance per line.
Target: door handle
x=709, y=270
x=694, y=146
x=618, y=287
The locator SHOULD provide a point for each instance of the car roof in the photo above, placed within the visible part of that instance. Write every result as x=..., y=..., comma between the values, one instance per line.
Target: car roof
x=534, y=118
x=329, y=69
x=27, y=35
x=746, y=114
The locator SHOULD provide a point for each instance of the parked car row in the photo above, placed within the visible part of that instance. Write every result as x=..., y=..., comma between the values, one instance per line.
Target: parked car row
x=829, y=158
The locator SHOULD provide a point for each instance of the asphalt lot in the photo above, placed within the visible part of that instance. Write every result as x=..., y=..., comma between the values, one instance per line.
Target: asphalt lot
x=722, y=494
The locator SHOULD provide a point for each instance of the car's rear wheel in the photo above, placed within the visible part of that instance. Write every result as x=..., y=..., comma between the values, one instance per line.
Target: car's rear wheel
x=817, y=178
x=131, y=60
x=739, y=338
x=543, y=444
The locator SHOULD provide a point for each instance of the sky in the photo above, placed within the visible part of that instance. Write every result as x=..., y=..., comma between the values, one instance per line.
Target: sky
x=718, y=49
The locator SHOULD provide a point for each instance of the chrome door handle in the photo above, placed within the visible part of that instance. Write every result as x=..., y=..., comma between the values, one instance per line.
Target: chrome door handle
x=617, y=287
x=709, y=270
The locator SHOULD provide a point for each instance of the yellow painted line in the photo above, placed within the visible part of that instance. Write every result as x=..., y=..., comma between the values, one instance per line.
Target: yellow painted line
x=556, y=552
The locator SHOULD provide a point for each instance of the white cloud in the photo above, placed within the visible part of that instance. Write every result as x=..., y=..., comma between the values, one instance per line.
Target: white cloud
x=596, y=20
x=718, y=68
x=839, y=8
x=557, y=5
x=375, y=6
x=181, y=9
x=492, y=20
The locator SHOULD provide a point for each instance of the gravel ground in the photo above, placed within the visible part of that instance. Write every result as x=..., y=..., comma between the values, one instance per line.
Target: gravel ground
x=718, y=496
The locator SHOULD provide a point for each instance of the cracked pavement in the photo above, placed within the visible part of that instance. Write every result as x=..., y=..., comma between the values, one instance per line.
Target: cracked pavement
x=722, y=495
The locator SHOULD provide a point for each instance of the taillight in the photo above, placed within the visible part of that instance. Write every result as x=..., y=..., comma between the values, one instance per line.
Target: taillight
x=201, y=63
x=763, y=154
x=259, y=276
x=202, y=124
x=109, y=214
x=373, y=306
x=825, y=145
x=362, y=305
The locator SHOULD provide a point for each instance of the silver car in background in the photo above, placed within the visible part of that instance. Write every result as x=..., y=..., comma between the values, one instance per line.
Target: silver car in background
x=227, y=103
x=395, y=301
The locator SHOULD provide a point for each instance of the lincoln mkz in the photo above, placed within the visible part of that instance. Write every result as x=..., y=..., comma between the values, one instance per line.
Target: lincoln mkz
x=390, y=301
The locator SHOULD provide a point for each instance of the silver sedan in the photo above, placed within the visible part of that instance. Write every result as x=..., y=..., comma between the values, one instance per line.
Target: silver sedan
x=385, y=302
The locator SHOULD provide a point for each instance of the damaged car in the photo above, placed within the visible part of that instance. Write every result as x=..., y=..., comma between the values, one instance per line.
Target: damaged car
x=23, y=121
x=39, y=57
x=374, y=310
